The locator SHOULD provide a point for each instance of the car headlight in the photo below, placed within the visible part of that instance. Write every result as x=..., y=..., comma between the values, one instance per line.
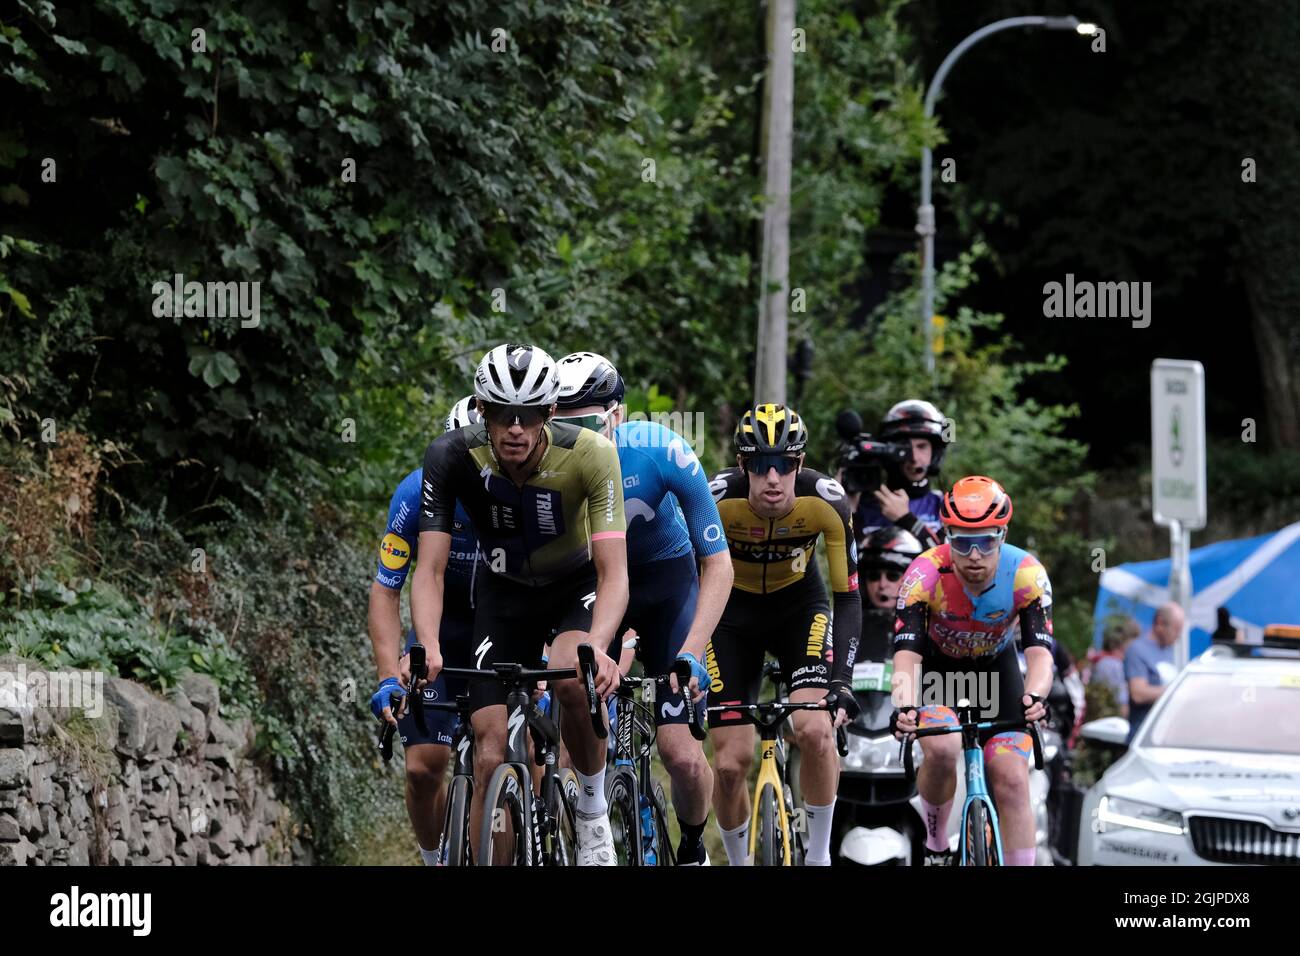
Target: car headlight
x=868, y=754
x=1116, y=813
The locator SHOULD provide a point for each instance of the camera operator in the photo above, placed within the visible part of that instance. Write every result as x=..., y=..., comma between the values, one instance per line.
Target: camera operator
x=896, y=468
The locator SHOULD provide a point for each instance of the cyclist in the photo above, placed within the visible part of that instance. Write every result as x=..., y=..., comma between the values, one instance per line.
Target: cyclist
x=545, y=500
x=426, y=756
x=773, y=511
x=671, y=521
x=907, y=501
x=955, y=614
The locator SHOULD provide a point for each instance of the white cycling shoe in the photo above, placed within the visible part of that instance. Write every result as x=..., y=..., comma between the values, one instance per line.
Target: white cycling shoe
x=595, y=840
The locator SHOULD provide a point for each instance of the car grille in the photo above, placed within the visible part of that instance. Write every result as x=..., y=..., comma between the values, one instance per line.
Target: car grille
x=1222, y=840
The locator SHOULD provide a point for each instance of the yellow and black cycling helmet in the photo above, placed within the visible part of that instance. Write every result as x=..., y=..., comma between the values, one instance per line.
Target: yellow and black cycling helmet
x=770, y=429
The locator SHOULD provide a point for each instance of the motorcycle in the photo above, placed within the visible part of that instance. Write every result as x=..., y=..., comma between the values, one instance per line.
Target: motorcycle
x=878, y=816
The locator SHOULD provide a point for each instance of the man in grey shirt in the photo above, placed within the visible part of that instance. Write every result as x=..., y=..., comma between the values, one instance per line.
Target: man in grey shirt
x=1149, y=664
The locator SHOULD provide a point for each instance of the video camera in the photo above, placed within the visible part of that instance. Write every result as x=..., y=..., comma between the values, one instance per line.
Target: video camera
x=868, y=463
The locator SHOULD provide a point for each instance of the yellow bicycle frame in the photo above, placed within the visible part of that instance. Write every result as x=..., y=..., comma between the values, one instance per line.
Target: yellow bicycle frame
x=767, y=774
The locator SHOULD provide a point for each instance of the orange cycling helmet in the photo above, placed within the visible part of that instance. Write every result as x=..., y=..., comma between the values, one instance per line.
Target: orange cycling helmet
x=976, y=502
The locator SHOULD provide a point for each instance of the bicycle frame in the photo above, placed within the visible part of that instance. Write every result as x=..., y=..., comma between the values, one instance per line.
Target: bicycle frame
x=521, y=712
x=976, y=789
x=770, y=772
x=973, y=759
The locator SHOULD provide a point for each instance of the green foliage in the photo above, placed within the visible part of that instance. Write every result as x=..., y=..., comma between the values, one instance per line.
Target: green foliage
x=234, y=165
x=977, y=384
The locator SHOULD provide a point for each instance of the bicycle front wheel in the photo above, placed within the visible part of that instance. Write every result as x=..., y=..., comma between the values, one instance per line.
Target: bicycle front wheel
x=564, y=844
x=456, y=833
x=770, y=840
x=981, y=845
x=625, y=817
x=506, y=825
x=665, y=855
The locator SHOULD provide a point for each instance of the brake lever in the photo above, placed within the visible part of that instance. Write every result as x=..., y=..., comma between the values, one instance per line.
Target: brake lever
x=683, y=671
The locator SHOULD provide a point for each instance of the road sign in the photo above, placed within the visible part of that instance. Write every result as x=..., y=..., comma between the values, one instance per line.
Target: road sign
x=1178, y=443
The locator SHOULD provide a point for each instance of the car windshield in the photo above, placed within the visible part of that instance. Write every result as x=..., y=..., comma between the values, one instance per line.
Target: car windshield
x=1247, y=712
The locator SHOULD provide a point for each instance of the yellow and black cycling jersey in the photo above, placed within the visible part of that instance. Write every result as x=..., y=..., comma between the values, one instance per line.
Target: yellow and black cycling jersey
x=772, y=553
x=777, y=556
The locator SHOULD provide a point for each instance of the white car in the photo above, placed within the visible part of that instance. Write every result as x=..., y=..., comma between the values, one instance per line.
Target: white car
x=1213, y=775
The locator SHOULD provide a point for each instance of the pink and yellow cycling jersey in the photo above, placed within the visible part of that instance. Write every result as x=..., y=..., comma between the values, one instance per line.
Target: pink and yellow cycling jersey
x=936, y=614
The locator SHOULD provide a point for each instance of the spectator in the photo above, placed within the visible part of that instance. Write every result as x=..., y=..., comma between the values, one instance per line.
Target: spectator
x=1108, y=666
x=1149, y=664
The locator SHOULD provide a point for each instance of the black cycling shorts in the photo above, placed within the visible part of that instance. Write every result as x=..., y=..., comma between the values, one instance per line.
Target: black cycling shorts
x=793, y=624
x=513, y=623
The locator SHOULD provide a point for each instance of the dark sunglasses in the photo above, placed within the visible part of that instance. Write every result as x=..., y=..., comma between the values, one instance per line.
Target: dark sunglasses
x=527, y=416
x=759, y=464
x=889, y=574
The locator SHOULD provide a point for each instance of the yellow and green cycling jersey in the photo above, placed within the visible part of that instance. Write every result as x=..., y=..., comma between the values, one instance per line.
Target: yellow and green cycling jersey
x=534, y=533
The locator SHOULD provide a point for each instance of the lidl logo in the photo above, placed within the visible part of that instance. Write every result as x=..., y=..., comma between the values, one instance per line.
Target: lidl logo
x=394, y=552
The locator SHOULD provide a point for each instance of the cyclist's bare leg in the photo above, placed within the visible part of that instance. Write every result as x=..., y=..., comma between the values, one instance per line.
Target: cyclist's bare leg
x=733, y=755
x=489, y=751
x=819, y=773
x=936, y=778
x=936, y=782
x=426, y=791
x=819, y=764
x=683, y=758
x=1009, y=781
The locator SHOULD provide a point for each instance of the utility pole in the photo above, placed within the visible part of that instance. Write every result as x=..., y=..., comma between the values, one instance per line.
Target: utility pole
x=778, y=148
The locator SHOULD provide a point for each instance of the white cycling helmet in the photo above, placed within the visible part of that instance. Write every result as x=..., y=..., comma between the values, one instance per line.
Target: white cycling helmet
x=462, y=413
x=517, y=375
x=589, y=379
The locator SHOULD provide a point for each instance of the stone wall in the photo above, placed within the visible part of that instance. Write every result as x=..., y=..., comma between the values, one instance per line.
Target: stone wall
x=148, y=782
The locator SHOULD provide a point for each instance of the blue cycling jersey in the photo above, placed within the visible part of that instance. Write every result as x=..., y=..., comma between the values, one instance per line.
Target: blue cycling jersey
x=401, y=541
x=666, y=498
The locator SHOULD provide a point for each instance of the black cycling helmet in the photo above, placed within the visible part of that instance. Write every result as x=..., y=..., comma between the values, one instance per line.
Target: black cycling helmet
x=889, y=547
x=770, y=429
x=914, y=418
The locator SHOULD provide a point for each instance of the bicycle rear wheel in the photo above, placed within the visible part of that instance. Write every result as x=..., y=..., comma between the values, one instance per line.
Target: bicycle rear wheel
x=625, y=817
x=505, y=810
x=981, y=846
x=770, y=849
x=456, y=832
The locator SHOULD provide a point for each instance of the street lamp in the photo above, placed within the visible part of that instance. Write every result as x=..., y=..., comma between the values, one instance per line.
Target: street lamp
x=925, y=212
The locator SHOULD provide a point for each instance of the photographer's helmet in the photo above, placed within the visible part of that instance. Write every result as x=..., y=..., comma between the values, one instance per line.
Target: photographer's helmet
x=770, y=429
x=914, y=418
x=517, y=375
x=889, y=547
x=589, y=379
x=462, y=413
x=975, y=502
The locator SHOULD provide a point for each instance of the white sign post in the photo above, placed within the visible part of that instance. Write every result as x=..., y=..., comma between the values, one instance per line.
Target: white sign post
x=1178, y=471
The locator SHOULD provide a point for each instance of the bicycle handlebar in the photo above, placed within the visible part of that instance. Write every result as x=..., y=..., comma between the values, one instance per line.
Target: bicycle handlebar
x=1009, y=724
x=772, y=711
